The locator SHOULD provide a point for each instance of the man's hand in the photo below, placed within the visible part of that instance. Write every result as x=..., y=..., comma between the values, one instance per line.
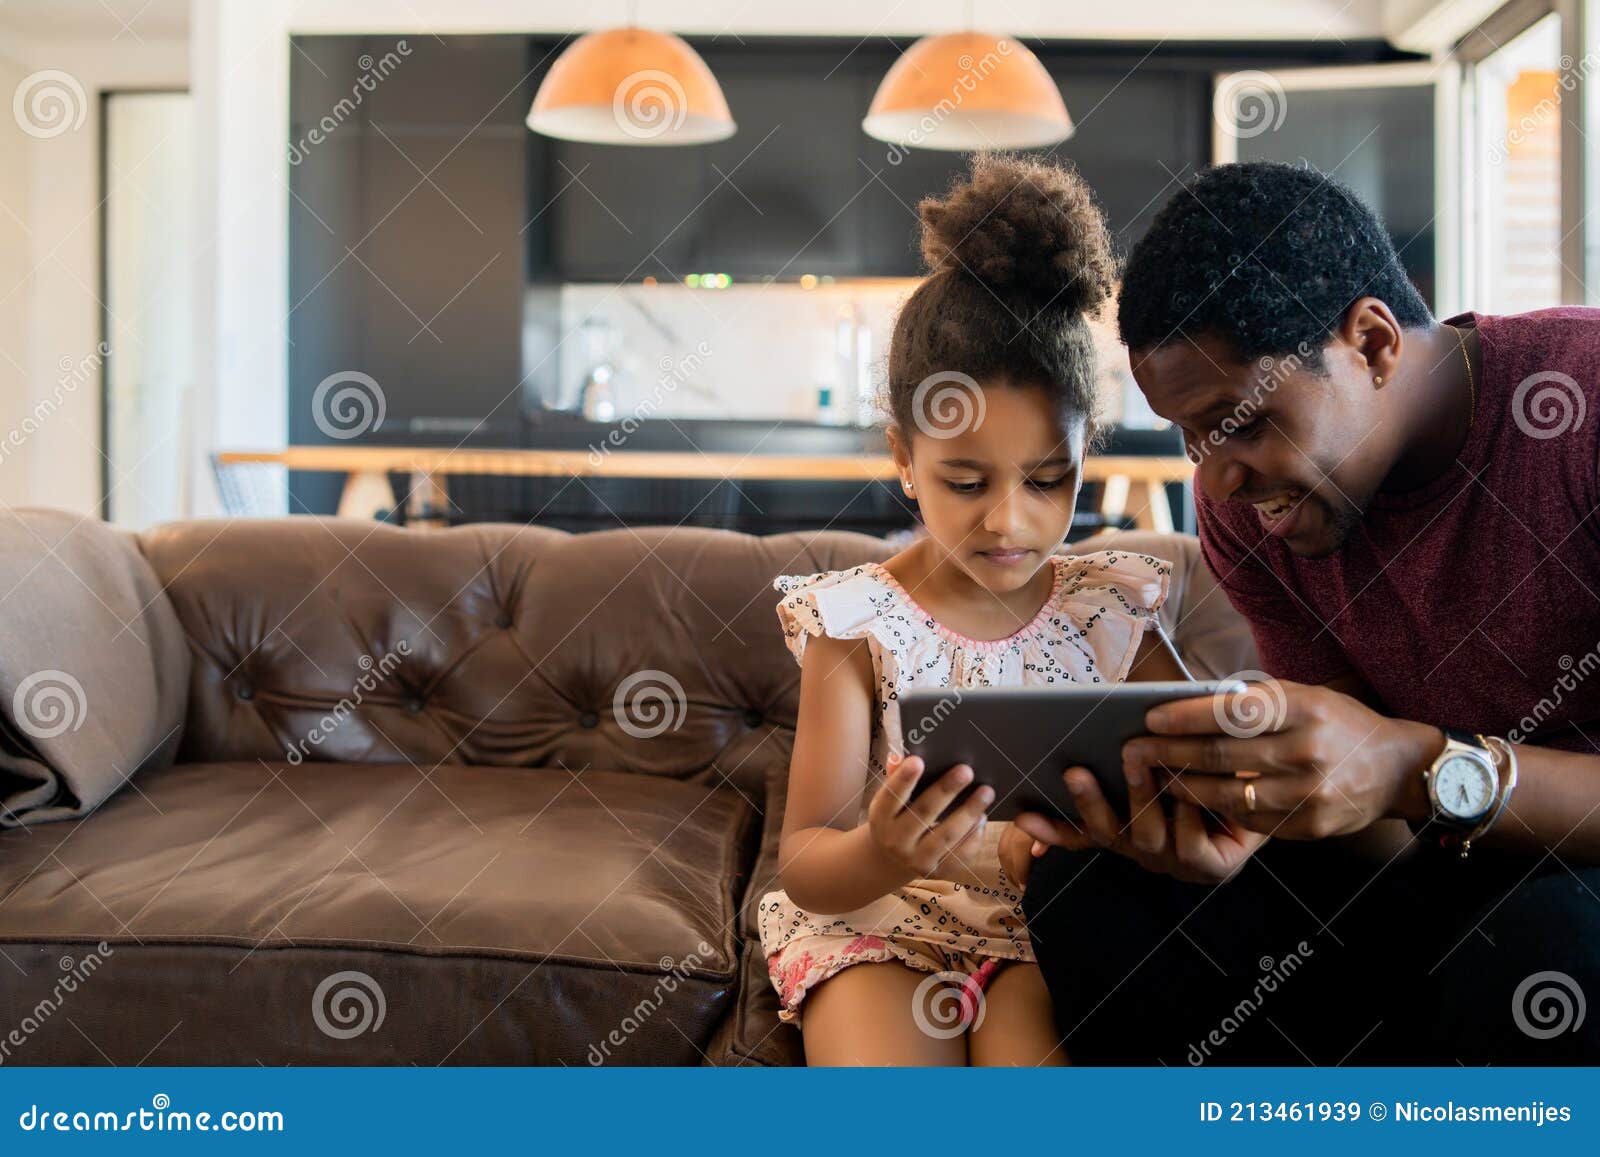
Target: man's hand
x=1326, y=764
x=1017, y=852
x=1185, y=846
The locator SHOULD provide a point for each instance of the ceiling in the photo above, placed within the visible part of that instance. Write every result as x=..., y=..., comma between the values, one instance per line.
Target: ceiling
x=1416, y=24
x=168, y=19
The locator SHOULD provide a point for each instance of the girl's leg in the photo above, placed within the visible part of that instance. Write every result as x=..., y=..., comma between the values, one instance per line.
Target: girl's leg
x=862, y=1015
x=1019, y=1026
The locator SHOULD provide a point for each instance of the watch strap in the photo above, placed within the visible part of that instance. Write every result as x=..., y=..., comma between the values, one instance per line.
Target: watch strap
x=1453, y=832
x=1504, y=754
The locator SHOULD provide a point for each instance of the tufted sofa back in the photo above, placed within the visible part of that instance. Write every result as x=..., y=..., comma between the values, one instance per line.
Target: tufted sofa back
x=654, y=651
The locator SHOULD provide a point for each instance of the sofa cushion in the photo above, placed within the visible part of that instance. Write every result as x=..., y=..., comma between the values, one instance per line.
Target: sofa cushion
x=530, y=917
x=94, y=667
x=753, y=1035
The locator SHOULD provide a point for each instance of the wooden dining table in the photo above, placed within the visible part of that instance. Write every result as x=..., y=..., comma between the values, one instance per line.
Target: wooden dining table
x=1133, y=486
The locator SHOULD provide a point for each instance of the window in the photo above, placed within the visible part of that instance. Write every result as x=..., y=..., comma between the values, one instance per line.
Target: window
x=1514, y=95
x=148, y=307
x=1371, y=126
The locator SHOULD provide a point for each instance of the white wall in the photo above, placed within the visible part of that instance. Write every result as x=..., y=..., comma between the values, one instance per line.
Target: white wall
x=15, y=248
x=240, y=77
x=53, y=184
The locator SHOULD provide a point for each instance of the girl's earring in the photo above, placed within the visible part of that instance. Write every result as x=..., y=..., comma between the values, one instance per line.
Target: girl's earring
x=910, y=489
x=1377, y=379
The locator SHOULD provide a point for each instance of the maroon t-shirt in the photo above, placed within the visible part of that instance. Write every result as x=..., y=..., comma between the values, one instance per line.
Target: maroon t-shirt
x=1474, y=601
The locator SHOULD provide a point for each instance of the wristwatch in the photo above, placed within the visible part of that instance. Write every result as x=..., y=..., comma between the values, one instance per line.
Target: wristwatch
x=1463, y=786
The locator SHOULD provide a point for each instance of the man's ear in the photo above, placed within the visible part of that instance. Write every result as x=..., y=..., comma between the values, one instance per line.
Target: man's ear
x=1373, y=337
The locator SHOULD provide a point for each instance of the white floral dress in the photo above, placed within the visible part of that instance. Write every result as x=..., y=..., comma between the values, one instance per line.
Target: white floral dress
x=969, y=920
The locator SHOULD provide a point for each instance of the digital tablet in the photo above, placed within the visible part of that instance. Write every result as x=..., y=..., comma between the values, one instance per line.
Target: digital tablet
x=1019, y=740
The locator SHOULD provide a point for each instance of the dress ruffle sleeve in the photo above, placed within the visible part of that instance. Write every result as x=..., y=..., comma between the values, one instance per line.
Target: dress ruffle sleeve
x=843, y=604
x=1114, y=595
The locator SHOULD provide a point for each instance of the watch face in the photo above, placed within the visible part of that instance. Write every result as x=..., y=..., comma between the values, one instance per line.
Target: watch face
x=1465, y=786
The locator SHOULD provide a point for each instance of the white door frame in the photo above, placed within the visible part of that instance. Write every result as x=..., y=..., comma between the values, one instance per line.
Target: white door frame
x=1269, y=90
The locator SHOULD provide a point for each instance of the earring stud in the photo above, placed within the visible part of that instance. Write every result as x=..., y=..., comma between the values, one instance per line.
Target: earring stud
x=1377, y=379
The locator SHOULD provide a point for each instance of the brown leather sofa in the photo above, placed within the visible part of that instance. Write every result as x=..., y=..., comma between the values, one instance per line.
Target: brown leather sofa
x=487, y=795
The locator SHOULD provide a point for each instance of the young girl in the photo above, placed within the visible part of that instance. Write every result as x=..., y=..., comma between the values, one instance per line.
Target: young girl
x=899, y=930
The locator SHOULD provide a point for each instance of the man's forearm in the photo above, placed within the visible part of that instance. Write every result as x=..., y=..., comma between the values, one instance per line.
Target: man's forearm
x=1555, y=807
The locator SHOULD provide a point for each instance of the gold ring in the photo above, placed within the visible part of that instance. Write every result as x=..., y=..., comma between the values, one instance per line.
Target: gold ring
x=1249, y=797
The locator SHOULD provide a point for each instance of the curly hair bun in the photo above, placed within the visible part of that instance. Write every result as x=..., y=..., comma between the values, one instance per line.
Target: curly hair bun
x=1023, y=228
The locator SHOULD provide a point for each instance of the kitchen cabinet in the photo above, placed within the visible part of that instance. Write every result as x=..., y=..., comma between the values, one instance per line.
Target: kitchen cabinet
x=407, y=254
x=615, y=213
x=1138, y=135
x=782, y=193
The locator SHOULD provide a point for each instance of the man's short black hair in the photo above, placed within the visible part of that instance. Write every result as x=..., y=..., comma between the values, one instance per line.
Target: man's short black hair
x=1265, y=256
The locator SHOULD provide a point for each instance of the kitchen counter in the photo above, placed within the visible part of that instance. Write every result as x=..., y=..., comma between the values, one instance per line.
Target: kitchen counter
x=1142, y=478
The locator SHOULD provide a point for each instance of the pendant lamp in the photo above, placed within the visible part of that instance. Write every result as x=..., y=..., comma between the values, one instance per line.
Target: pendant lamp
x=631, y=86
x=968, y=90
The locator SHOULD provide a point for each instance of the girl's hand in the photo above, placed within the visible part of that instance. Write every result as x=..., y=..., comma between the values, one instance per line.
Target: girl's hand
x=1018, y=850
x=909, y=833
x=1183, y=846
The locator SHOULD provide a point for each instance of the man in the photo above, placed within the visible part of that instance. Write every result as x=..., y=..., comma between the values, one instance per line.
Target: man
x=1405, y=510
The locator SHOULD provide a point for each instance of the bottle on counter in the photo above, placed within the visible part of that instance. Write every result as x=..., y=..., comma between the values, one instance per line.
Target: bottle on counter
x=828, y=411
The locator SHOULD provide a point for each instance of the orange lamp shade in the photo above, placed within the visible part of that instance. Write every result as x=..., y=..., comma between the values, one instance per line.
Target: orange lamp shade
x=968, y=90
x=631, y=86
